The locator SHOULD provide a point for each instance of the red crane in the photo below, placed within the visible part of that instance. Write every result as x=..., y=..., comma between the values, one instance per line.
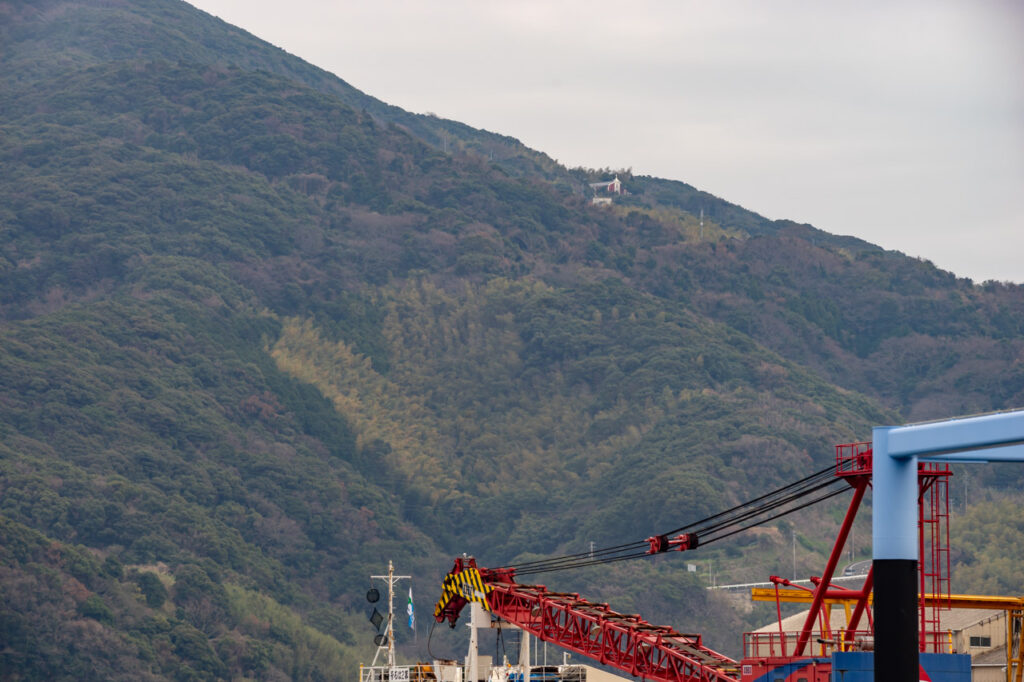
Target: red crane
x=628, y=643
x=660, y=653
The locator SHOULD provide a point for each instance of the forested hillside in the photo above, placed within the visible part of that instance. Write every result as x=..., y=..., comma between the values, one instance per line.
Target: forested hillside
x=259, y=334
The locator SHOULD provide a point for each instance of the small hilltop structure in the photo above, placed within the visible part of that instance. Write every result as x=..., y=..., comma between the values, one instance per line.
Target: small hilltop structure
x=606, y=190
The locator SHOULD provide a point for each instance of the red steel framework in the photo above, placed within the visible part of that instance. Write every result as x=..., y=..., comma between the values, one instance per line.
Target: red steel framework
x=625, y=642
x=629, y=643
x=853, y=461
x=934, y=569
x=661, y=654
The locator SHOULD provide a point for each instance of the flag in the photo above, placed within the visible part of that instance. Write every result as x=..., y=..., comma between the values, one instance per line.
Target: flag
x=408, y=609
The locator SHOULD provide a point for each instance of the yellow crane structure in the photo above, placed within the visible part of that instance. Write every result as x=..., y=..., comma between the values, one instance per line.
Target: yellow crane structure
x=1013, y=606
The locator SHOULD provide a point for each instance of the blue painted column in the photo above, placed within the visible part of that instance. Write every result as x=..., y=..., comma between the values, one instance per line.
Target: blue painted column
x=897, y=450
x=894, y=526
x=894, y=500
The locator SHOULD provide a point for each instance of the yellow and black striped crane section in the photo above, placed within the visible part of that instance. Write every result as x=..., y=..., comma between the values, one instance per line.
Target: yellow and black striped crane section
x=467, y=584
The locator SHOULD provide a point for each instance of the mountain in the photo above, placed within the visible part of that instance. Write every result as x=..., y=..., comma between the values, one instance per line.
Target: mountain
x=261, y=333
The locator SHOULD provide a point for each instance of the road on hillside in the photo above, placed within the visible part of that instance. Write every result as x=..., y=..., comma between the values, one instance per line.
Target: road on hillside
x=858, y=568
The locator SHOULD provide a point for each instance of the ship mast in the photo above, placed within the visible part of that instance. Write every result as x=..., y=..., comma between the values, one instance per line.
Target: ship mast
x=389, y=632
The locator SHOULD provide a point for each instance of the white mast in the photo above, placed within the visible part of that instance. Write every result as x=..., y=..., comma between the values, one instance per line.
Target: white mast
x=389, y=631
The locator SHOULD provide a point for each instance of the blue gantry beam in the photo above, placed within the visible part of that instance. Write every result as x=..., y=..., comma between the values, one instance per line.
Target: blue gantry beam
x=997, y=437
x=985, y=438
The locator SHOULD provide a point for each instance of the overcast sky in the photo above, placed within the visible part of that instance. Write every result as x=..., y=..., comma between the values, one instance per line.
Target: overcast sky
x=899, y=122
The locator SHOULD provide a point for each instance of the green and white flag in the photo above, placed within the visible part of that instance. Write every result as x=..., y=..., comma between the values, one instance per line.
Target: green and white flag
x=408, y=609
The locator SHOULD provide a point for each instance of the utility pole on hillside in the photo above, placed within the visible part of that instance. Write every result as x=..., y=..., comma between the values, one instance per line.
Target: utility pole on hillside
x=794, y=554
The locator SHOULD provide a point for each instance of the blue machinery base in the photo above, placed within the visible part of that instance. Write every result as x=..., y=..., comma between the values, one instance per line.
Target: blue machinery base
x=859, y=666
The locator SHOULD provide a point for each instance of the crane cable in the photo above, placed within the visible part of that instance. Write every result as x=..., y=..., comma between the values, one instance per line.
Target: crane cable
x=768, y=500
x=703, y=530
x=796, y=489
x=726, y=520
x=703, y=542
x=710, y=529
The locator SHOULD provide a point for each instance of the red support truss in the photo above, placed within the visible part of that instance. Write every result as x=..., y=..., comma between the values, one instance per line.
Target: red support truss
x=627, y=643
x=933, y=549
x=853, y=462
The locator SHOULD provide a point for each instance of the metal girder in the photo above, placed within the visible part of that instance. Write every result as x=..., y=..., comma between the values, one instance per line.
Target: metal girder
x=860, y=484
x=628, y=643
x=1015, y=645
x=625, y=642
x=956, y=601
x=976, y=439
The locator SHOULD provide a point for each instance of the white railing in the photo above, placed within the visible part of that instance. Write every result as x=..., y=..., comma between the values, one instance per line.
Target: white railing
x=421, y=672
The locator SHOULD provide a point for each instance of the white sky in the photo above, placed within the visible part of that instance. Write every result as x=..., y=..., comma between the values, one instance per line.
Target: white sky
x=900, y=121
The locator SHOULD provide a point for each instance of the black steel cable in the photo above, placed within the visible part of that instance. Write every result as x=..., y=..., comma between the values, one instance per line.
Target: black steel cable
x=584, y=564
x=580, y=563
x=430, y=635
x=704, y=541
x=757, y=511
x=772, y=518
x=813, y=478
x=566, y=557
x=725, y=520
x=795, y=490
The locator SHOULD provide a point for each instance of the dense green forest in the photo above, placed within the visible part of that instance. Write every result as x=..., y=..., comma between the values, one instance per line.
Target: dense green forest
x=260, y=334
